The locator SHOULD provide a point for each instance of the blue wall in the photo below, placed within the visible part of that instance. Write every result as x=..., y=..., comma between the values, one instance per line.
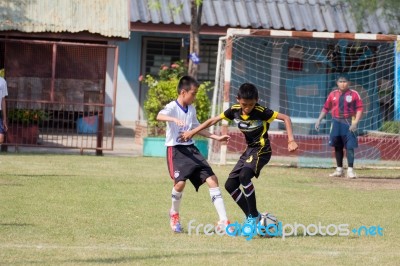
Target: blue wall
x=128, y=84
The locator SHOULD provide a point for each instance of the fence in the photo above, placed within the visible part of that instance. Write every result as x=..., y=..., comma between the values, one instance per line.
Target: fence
x=60, y=95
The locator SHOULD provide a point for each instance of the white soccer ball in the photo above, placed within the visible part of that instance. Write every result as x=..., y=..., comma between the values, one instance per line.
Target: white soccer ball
x=268, y=226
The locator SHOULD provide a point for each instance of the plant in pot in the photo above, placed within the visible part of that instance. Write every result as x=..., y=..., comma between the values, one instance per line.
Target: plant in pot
x=162, y=90
x=23, y=125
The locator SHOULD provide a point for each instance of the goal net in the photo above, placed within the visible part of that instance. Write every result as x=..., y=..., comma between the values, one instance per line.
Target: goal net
x=294, y=73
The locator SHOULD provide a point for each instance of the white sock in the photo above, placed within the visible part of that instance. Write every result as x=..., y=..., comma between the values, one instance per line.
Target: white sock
x=216, y=198
x=176, y=200
x=339, y=169
x=350, y=169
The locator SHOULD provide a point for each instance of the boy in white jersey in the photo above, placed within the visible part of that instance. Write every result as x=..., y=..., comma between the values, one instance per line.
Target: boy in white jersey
x=3, y=111
x=183, y=158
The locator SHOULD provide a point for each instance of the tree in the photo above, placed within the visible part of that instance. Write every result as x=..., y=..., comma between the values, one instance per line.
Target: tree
x=388, y=9
x=196, y=12
x=196, y=9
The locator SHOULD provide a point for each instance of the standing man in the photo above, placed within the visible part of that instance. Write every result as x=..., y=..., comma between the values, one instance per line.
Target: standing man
x=346, y=108
x=3, y=111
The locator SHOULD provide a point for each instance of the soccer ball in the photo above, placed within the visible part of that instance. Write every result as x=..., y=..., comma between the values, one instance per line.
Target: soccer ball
x=268, y=226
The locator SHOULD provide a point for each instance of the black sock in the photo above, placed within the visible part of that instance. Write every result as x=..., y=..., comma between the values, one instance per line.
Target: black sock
x=239, y=198
x=250, y=194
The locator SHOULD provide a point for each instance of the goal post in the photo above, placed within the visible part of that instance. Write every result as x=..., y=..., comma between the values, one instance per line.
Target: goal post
x=294, y=73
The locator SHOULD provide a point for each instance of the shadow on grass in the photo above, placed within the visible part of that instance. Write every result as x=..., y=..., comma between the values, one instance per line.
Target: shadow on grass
x=137, y=259
x=39, y=175
x=16, y=224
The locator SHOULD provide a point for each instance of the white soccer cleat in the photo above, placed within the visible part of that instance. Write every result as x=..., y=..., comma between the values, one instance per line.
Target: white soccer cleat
x=222, y=225
x=351, y=174
x=337, y=173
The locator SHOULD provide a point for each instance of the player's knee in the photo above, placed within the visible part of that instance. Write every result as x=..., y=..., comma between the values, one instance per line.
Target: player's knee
x=231, y=185
x=245, y=176
x=212, y=181
x=179, y=186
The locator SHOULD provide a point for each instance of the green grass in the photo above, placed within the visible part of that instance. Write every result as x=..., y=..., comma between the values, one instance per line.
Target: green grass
x=88, y=210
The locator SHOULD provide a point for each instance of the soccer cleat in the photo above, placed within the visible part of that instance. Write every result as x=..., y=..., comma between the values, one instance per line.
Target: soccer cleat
x=337, y=173
x=250, y=224
x=351, y=174
x=174, y=222
x=221, y=226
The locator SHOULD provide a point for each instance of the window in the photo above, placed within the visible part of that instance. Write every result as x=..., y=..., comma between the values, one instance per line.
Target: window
x=165, y=51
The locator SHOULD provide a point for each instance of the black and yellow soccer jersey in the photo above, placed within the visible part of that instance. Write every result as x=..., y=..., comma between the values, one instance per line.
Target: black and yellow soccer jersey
x=254, y=126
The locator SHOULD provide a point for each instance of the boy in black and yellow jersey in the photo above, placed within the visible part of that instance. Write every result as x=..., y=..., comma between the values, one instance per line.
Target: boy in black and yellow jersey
x=253, y=121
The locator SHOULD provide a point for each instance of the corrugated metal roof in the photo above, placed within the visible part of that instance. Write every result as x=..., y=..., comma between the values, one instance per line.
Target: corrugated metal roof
x=109, y=18
x=300, y=15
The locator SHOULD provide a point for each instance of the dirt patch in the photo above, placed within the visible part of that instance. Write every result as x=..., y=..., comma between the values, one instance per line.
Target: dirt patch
x=368, y=183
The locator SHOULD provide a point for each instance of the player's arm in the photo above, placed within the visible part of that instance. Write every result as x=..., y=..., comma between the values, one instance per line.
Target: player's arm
x=211, y=121
x=354, y=123
x=359, y=112
x=166, y=118
x=321, y=116
x=207, y=134
x=4, y=112
x=292, y=145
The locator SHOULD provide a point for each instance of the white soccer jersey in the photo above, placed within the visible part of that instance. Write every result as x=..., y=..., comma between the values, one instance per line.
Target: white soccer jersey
x=174, y=109
x=3, y=89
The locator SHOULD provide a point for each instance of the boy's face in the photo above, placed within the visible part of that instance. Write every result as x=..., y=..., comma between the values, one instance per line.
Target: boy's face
x=343, y=84
x=189, y=96
x=247, y=105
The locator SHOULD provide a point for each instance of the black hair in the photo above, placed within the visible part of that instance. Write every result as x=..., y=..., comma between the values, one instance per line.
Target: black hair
x=186, y=83
x=340, y=77
x=247, y=91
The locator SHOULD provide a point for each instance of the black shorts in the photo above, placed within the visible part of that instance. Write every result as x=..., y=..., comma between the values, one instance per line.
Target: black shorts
x=254, y=158
x=2, y=129
x=186, y=162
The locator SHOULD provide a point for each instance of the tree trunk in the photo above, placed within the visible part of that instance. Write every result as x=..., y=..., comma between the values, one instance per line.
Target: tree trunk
x=196, y=11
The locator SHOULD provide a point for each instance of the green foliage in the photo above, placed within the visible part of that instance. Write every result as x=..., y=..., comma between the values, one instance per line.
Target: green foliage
x=390, y=10
x=391, y=127
x=26, y=116
x=163, y=89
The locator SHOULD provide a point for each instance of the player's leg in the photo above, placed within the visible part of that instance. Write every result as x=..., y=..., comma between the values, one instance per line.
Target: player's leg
x=216, y=199
x=335, y=140
x=245, y=176
x=176, y=198
x=174, y=164
x=256, y=159
x=232, y=185
x=176, y=195
x=351, y=142
x=2, y=130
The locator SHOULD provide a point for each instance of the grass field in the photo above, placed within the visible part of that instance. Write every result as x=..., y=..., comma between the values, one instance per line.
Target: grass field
x=88, y=210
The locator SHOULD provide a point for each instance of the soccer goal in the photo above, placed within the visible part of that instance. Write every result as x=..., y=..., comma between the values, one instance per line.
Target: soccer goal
x=294, y=72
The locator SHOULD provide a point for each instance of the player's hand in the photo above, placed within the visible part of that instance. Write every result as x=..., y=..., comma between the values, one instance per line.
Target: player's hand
x=317, y=125
x=353, y=127
x=292, y=146
x=187, y=135
x=5, y=126
x=223, y=138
